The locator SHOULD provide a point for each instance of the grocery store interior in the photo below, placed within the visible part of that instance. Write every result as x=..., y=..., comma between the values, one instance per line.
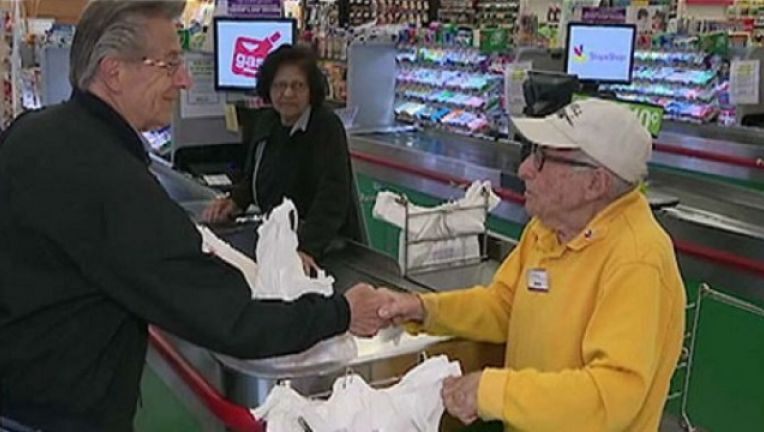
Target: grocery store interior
x=425, y=90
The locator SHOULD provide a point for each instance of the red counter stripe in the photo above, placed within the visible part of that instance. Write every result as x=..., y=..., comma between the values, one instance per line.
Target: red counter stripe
x=235, y=417
x=692, y=249
x=506, y=194
x=711, y=156
x=719, y=256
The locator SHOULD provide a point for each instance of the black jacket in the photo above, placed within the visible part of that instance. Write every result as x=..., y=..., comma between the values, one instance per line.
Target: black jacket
x=92, y=249
x=312, y=168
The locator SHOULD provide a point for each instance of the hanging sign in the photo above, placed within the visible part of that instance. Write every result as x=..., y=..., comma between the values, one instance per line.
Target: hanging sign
x=254, y=8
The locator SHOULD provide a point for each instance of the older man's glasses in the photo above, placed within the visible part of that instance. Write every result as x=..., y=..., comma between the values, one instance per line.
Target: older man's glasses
x=282, y=86
x=541, y=157
x=170, y=67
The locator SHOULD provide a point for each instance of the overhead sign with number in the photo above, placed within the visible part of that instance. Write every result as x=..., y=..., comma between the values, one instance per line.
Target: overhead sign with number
x=651, y=116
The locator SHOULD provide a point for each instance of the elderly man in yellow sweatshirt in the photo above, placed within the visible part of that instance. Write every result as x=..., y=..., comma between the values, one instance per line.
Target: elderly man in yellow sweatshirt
x=590, y=302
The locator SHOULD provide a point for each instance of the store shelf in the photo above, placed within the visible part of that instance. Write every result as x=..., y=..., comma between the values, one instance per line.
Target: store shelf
x=481, y=13
x=487, y=105
x=450, y=86
x=670, y=58
x=461, y=67
x=447, y=86
x=707, y=98
x=448, y=78
x=698, y=120
x=462, y=130
x=676, y=81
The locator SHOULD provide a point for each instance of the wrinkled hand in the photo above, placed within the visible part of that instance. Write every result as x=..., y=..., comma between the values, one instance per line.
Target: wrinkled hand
x=308, y=263
x=221, y=210
x=460, y=396
x=364, y=303
x=401, y=307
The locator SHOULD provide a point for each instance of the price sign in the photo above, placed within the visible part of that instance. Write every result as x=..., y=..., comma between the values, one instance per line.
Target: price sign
x=651, y=116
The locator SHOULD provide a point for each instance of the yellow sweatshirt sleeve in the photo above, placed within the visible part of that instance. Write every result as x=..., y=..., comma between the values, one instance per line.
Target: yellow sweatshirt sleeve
x=479, y=313
x=621, y=348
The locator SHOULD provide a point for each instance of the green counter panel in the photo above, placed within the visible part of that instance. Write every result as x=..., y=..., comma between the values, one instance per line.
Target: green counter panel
x=727, y=381
x=160, y=409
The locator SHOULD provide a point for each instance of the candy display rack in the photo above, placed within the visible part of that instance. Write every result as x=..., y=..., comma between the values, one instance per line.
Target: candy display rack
x=448, y=85
x=684, y=82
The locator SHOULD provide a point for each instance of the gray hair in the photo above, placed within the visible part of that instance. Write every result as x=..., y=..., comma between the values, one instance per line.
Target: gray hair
x=113, y=27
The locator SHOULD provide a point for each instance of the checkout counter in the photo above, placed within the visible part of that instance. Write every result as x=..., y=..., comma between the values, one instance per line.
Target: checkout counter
x=238, y=385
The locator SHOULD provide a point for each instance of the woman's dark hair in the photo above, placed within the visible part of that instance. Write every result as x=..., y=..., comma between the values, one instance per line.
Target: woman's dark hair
x=290, y=55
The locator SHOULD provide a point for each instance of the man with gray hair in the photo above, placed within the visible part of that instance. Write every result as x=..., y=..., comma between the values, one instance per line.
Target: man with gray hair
x=590, y=303
x=92, y=249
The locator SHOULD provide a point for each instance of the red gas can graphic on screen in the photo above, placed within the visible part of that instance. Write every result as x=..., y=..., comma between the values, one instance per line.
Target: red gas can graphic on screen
x=249, y=54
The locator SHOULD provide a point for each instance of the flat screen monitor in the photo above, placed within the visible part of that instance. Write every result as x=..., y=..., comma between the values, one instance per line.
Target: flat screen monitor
x=601, y=53
x=241, y=45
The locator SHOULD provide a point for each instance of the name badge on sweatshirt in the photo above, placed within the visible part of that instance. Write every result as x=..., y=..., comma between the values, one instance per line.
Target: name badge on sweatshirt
x=538, y=280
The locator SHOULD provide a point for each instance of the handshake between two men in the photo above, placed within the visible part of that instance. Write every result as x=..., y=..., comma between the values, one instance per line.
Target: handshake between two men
x=374, y=309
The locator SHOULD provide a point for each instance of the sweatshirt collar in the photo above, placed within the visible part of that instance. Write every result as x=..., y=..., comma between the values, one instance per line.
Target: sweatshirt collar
x=129, y=138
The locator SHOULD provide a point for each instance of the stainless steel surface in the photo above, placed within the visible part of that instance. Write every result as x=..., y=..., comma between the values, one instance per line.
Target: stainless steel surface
x=742, y=142
x=249, y=382
x=716, y=220
x=371, y=83
x=712, y=134
x=459, y=277
x=378, y=362
x=711, y=196
x=369, y=350
x=183, y=189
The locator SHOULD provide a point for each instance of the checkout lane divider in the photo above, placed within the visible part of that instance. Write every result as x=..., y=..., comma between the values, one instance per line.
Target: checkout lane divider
x=688, y=248
x=757, y=163
x=235, y=417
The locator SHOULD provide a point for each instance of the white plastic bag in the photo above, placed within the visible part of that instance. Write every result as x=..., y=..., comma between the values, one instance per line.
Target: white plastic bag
x=279, y=275
x=412, y=405
x=452, y=219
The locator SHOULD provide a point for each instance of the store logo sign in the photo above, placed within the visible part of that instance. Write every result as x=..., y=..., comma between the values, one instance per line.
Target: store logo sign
x=579, y=55
x=608, y=57
x=249, y=54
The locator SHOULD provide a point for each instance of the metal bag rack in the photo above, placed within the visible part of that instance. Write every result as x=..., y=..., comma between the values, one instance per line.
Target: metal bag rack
x=408, y=241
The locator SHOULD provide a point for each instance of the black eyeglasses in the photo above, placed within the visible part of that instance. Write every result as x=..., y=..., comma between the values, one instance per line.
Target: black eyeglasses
x=540, y=157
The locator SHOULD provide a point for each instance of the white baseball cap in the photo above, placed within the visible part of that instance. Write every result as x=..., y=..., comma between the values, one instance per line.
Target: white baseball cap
x=607, y=131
